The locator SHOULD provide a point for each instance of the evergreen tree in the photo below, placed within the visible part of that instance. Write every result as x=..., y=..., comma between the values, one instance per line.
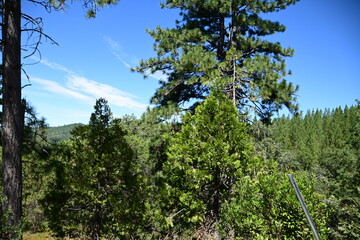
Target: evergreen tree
x=223, y=41
x=149, y=141
x=205, y=160
x=102, y=185
x=214, y=186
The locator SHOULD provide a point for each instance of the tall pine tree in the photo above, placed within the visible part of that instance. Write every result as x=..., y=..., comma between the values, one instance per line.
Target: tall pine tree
x=222, y=40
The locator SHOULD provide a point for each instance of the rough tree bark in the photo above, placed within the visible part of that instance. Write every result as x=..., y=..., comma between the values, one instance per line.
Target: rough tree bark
x=12, y=119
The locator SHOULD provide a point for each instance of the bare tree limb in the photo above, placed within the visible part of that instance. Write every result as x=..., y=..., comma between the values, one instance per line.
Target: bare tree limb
x=36, y=27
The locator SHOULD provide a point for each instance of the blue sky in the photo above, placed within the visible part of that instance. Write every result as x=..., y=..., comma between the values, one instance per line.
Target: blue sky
x=94, y=56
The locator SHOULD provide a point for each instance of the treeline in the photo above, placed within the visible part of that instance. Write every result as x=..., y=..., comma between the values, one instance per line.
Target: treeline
x=208, y=176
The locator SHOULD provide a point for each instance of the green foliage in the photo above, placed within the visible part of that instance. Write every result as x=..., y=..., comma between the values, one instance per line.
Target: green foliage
x=149, y=139
x=204, y=161
x=56, y=192
x=265, y=206
x=214, y=186
x=326, y=143
x=5, y=229
x=91, y=6
x=211, y=183
x=148, y=142
x=35, y=151
x=98, y=186
x=222, y=41
x=267, y=148
x=35, y=182
x=21, y=138
x=95, y=5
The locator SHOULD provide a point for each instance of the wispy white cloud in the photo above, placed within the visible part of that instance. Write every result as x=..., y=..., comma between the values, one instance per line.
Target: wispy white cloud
x=126, y=64
x=116, y=51
x=111, y=43
x=86, y=90
x=56, y=66
x=55, y=87
x=113, y=95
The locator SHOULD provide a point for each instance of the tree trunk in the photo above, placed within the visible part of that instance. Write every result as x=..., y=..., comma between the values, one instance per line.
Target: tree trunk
x=216, y=203
x=12, y=118
x=221, y=42
x=97, y=222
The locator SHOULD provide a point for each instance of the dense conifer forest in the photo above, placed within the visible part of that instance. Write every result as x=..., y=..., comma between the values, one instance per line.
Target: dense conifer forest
x=147, y=180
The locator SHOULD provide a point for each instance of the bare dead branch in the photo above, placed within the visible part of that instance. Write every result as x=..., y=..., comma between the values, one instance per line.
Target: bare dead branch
x=26, y=85
x=34, y=26
x=27, y=76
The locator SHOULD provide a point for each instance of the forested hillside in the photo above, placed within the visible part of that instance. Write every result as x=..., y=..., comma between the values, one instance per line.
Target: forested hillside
x=60, y=133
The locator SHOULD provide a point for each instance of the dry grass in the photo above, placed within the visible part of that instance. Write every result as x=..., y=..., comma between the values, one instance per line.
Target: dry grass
x=44, y=236
x=37, y=236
